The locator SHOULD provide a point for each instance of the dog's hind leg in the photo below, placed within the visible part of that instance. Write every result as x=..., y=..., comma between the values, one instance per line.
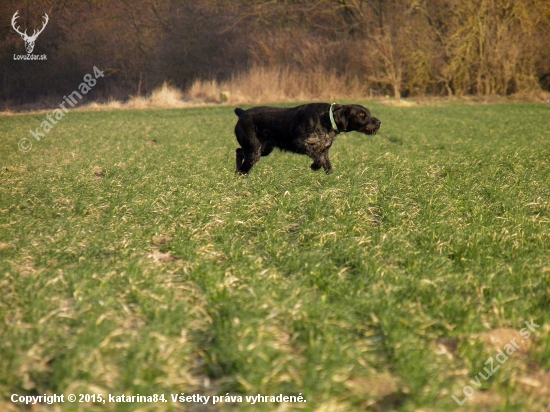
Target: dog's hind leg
x=251, y=148
x=267, y=149
x=251, y=157
x=239, y=158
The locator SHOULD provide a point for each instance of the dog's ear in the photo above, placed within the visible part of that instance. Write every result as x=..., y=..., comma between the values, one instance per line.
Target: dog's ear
x=341, y=116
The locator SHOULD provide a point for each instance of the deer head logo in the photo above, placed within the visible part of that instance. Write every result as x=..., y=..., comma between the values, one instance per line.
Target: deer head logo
x=29, y=40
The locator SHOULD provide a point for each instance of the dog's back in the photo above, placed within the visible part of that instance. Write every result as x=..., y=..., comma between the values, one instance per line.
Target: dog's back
x=267, y=122
x=265, y=111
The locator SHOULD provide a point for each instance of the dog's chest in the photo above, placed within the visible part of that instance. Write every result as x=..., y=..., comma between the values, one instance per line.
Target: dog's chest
x=319, y=140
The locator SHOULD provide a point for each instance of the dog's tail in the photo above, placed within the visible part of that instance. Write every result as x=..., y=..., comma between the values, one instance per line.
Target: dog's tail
x=239, y=111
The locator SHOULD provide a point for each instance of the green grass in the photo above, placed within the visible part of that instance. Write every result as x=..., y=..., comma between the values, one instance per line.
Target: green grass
x=133, y=260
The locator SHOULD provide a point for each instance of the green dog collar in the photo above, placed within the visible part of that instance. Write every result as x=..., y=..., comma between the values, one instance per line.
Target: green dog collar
x=331, y=115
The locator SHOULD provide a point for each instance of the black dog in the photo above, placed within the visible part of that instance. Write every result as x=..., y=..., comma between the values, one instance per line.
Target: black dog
x=309, y=129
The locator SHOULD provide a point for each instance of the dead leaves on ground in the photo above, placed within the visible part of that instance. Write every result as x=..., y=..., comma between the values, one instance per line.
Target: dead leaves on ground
x=160, y=257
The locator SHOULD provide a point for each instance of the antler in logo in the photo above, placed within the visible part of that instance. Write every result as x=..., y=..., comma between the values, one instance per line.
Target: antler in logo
x=29, y=40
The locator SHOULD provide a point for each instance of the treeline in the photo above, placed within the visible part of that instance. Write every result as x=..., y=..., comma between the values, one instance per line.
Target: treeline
x=396, y=47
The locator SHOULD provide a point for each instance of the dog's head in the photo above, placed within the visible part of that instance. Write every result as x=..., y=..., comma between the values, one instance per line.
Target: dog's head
x=353, y=117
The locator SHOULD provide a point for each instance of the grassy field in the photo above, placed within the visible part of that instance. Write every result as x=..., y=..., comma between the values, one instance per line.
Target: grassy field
x=133, y=261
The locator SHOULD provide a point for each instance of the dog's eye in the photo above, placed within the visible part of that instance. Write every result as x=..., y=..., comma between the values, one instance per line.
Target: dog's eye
x=361, y=114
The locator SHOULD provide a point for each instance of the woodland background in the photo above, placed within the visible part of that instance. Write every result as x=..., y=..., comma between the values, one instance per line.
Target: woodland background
x=281, y=49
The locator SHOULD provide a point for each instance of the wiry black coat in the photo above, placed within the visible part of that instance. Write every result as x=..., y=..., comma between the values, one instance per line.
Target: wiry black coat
x=303, y=129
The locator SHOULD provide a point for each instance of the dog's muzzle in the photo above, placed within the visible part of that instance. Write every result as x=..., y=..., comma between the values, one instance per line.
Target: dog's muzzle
x=373, y=127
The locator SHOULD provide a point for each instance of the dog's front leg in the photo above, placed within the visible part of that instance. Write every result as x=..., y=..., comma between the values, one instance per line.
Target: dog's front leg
x=323, y=161
x=327, y=166
x=316, y=165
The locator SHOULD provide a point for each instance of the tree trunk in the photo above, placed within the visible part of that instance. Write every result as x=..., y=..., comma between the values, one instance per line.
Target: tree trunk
x=396, y=91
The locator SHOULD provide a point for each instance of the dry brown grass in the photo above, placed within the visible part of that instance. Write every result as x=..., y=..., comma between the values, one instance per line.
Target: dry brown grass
x=280, y=84
x=166, y=96
x=258, y=85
